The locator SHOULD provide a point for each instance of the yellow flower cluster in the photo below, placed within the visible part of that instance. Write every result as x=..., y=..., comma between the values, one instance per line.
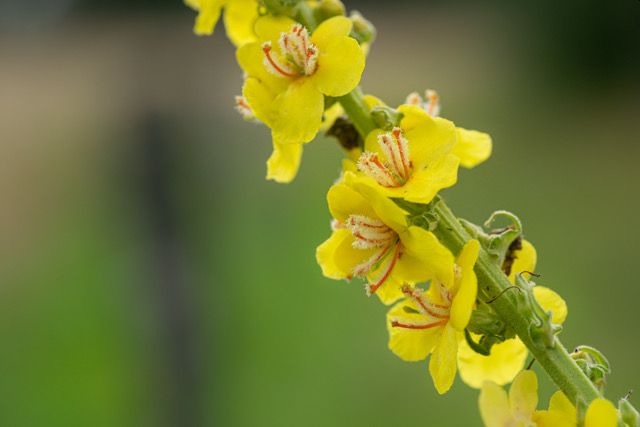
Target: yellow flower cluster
x=296, y=78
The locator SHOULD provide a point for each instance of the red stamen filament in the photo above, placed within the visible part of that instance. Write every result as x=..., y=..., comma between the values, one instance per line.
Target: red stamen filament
x=389, y=144
x=387, y=273
x=267, y=51
x=426, y=308
x=376, y=161
x=433, y=101
x=397, y=134
x=397, y=324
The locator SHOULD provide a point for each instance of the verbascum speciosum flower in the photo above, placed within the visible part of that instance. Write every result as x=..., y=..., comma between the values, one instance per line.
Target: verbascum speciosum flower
x=472, y=147
x=432, y=322
x=413, y=161
x=508, y=358
x=371, y=239
x=239, y=18
x=518, y=408
x=285, y=82
x=289, y=72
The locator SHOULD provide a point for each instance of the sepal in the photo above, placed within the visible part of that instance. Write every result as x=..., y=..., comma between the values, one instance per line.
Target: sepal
x=386, y=118
x=629, y=414
x=594, y=364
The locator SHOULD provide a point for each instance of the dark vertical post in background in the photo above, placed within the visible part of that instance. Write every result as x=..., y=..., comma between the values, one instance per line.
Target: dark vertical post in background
x=169, y=274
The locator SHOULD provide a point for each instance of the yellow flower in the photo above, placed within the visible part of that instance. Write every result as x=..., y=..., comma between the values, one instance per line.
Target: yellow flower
x=519, y=407
x=508, y=358
x=412, y=161
x=432, y=322
x=371, y=239
x=290, y=71
x=239, y=18
x=472, y=148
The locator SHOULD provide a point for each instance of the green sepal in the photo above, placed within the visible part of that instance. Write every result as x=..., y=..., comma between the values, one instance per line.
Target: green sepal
x=541, y=327
x=594, y=364
x=281, y=7
x=628, y=413
x=419, y=214
x=386, y=118
x=363, y=30
x=477, y=347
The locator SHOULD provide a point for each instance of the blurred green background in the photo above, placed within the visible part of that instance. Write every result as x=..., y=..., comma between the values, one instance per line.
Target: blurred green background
x=150, y=276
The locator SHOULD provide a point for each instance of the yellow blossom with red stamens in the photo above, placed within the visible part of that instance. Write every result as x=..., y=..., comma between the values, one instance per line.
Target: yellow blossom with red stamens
x=472, y=147
x=413, y=161
x=239, y=18
x=518, y=408
x=289, y=71
x=372, y=239
x=432, y=322
x=508, y=357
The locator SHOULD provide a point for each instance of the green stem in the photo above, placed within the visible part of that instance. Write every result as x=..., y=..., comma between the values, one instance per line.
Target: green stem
x=556, y=361
x=358, y=111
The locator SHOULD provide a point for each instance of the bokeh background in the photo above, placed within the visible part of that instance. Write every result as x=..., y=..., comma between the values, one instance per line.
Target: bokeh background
x=150, y=276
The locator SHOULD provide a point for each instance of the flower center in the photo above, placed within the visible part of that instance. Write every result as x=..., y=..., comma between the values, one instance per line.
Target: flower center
x=435, y=314
x=395, y=169
x=372, y=233
x=432, y=104
x=297, y=57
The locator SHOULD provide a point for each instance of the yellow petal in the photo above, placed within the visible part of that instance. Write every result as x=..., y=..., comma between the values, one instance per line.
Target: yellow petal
x=391, y=290
x=552, y=419
x=386, y=210
x=208, y=15
x=340, y=66
x=260, y=98
x=269, y=27
x=442, y=365
x=410, y=344
x=373, y=101
x=523, y=394
x=500, y=366
x=326, y=252
x=465, y=294
x=551, y=301
x=559, y=402
x=343, y=201
x=424, y=184
x=239, y=19
x=331, y=29
x=429, y=140
x=525, y=260
x=251, y=59
x=284, y=162
x=601, y=413
x=434, y=258
x=494, y=406
x=347, y=257
x=299, y=112
x=473, y=147
x=412, y=116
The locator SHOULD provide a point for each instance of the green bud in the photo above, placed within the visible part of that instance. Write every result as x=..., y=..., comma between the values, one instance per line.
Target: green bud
x=328, y=9
x=386, y=118
x=363, y=30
